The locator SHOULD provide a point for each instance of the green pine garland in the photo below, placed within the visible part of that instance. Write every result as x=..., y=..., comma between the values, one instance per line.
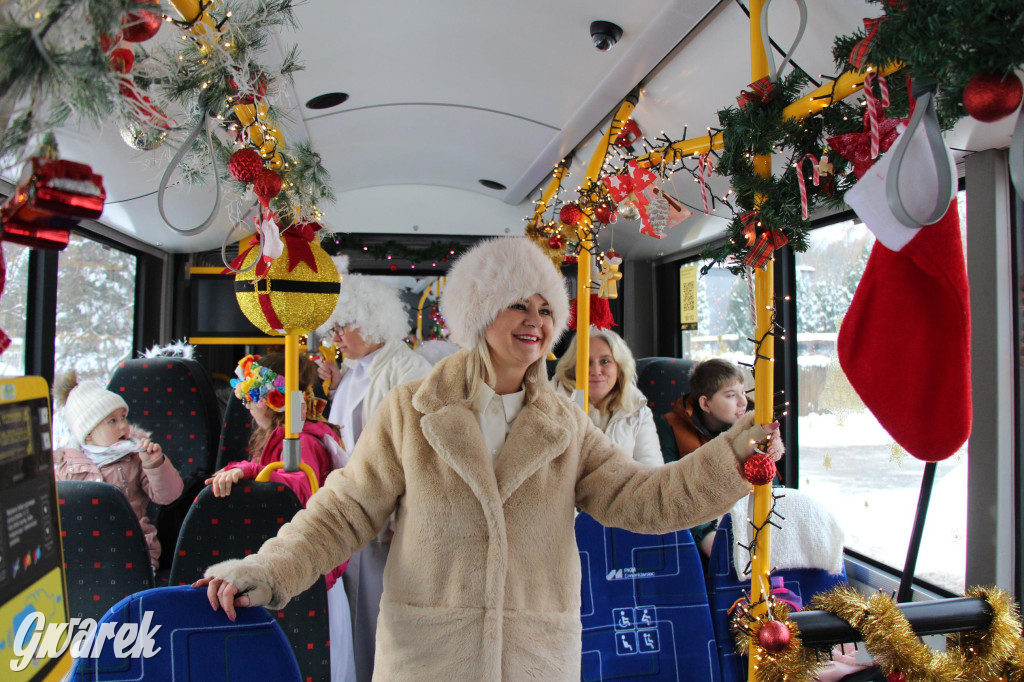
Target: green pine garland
x=760, y=129
x=945, y=41
x=52, y=62
x=434, y=252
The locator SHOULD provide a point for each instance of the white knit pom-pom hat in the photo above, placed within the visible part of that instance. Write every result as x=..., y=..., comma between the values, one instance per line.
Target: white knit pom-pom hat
x=372, y=306
x=87, y=405
x=493, y=275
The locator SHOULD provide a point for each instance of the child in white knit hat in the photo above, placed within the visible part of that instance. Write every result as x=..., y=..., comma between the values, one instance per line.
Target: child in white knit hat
x=107, y=448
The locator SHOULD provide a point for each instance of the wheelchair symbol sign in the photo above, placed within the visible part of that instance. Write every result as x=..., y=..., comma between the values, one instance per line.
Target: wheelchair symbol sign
x=623, y=619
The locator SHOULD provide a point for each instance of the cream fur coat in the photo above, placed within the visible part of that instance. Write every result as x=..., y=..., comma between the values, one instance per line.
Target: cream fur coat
x=483, y=578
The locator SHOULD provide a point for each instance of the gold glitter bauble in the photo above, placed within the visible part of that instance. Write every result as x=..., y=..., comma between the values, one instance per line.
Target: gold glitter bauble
x=302, y=299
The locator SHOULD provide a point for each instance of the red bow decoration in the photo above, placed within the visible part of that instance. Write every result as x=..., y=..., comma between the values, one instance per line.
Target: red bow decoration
x=297, y=239
x=859, y=52
x=764, y=246
x=856, y=147
x=761, y=90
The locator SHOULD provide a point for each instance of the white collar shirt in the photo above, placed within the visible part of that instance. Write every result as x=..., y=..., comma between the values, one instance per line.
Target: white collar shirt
x=495, y=414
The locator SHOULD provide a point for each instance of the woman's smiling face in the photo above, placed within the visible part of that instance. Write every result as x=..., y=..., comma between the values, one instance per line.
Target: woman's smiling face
x=520, y=335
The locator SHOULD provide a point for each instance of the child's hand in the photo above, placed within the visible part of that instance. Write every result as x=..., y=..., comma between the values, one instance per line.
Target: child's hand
x=152, y=454
x=223, y=480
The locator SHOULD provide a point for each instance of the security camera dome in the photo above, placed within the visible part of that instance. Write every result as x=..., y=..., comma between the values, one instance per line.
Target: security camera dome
x=605, y=34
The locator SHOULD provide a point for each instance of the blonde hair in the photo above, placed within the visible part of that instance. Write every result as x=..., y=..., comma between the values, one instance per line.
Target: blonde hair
x=565, y=370
x=480, y=371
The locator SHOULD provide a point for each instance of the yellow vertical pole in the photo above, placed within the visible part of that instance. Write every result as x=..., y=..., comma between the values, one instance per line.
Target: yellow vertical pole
x=764, y=377
x=291, y=388
x=584, y=265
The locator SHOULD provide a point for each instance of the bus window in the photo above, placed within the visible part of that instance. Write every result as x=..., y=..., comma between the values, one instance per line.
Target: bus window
x=95, y=312
x=723, y=314
x=13, y=312
x=847, y=460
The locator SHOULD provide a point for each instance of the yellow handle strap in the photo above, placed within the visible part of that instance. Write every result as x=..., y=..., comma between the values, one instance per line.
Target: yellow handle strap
x=264, y=475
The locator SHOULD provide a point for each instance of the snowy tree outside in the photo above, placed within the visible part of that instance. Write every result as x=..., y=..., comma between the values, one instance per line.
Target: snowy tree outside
x=95, y=313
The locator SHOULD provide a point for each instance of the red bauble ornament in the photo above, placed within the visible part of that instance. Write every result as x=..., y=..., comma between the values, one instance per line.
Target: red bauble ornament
x=267, y=184
x=896, y=676
x=245, y=165
x=107, y=43
x=774, y=636
x=137, y=27
x=604, y=213
x=393, y=267
x=556, y=242
x=989, y=96
x=570, y=214
x=122, y=59
x=759, y=469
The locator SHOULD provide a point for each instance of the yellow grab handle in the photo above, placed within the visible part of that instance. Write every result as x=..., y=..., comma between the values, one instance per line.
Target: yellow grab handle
x=264, y=475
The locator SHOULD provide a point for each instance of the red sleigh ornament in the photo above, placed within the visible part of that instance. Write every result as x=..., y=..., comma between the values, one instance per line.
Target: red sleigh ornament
x=53, y=196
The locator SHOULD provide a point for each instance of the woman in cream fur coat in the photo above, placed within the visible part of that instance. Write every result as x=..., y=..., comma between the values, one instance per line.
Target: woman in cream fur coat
x=483, y=465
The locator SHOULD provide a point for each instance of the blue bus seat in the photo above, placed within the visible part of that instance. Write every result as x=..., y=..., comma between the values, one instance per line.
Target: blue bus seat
x=220, y=528
x=192, y=642
x=724, y=589
x=663, y=381
x=235, y=430
x=106, y=557
x=644, y=607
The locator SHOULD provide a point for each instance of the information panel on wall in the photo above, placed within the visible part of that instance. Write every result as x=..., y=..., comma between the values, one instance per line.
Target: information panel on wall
x=31, y=579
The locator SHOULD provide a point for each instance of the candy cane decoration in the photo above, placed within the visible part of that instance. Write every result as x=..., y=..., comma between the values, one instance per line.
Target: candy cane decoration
x=803, y=183
x=704, y=164
x=874, y=107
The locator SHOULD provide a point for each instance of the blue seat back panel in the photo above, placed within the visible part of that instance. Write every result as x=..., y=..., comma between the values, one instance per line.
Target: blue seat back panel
x=193, y=643
x=644, y=606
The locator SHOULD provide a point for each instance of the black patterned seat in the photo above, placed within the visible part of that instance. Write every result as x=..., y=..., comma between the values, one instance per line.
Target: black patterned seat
x=663, y=381
x=220, y=528
x=235, y=429
x=174, y=399
x=105, y=553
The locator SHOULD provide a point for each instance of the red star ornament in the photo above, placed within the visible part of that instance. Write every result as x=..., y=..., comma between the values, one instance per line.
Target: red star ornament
x=856, y=147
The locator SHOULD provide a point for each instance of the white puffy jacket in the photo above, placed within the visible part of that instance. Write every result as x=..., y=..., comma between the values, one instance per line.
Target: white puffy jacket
x=631, y=427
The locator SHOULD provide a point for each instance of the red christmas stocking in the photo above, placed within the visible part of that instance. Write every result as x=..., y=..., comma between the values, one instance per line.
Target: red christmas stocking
x=905, y=342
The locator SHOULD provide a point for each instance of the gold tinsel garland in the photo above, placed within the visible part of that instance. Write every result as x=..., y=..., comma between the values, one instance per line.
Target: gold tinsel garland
x=995, y=653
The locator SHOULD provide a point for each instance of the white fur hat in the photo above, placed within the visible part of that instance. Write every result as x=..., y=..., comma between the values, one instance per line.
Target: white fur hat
x=87, y=405
x=370, y=305
x=493, y=275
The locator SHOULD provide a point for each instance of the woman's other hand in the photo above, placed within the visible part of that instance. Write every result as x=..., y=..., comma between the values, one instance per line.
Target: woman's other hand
x=223, y=594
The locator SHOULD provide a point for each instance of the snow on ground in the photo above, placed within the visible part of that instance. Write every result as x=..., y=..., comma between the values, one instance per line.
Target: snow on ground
x=850, y=469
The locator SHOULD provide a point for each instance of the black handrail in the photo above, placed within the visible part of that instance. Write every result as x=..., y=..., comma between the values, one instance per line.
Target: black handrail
x=822, y=629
